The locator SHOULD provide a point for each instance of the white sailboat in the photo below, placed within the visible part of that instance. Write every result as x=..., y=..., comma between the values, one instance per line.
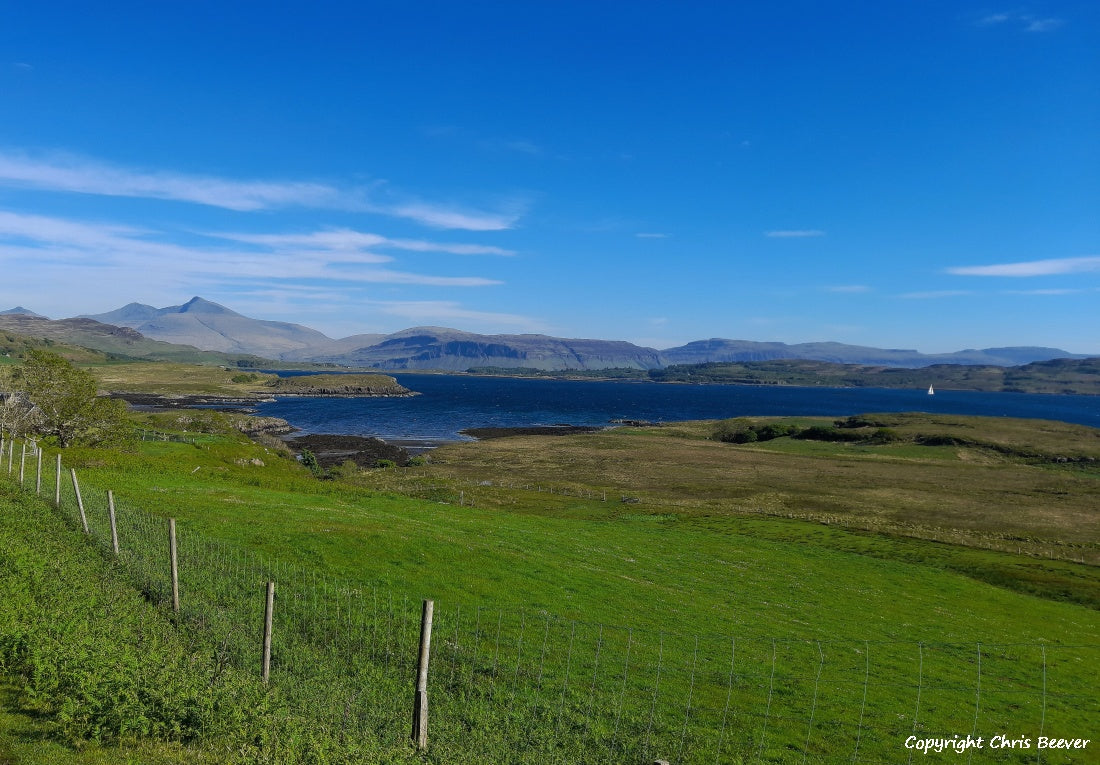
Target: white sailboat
x=930, y=391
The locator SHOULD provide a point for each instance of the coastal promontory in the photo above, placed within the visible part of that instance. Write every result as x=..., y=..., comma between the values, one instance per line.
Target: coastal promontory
x=342, y=385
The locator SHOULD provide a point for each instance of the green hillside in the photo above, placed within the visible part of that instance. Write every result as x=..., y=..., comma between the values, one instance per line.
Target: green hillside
x=114, y=343
x=590, y=605
x=14, y=347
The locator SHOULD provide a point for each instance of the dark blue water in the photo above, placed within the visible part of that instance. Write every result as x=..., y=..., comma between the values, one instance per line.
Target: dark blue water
x=450, y=403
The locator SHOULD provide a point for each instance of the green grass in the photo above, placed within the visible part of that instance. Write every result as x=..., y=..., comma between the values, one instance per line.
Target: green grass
x=573, y=629
x=1016, y=497
x=175, y=379
x=561, y=553
x=27, y=737
x=94, y=674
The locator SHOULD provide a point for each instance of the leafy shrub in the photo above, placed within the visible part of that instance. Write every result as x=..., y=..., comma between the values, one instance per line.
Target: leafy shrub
x=740, y=431
x=862, y=421
x=746, y=436
x=385, y=464
x=94, y=659
x=309, y=460
x=774, y=430
x=940, y=439
x=730, y=431
x=345, y=469
x=885, y=436
x=827, y=433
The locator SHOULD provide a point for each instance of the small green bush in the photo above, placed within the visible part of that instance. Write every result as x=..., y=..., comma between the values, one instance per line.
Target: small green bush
x=309, y=460
x=345, y=469
x=885, y=436
x=740, y=431
x=828, y=433
x=774, y=430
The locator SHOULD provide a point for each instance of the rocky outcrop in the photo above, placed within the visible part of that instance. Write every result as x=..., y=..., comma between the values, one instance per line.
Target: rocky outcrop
x=344, y=386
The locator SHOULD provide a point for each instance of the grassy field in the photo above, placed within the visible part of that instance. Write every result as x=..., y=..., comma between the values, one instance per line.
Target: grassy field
x=164, y=378
x=167, y=378
x=1013, y=485
x=779, y=580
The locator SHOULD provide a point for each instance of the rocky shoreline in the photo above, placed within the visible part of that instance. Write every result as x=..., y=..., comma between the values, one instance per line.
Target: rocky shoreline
x=150, y=401
x=332, y=450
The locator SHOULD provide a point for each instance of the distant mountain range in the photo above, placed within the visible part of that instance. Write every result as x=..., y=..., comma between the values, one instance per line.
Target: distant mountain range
x=21, y=311
x=212, y=327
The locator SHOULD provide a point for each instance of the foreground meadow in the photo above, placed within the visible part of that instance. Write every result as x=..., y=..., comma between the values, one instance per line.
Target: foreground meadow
x=638, y=593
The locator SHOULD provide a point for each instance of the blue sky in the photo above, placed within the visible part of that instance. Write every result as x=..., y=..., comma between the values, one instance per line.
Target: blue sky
x=898, y=174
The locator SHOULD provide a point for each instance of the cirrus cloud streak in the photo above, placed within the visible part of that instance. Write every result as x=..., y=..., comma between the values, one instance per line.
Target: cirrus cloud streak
x=1049, y=267
x=68, y=173
x=87, y=249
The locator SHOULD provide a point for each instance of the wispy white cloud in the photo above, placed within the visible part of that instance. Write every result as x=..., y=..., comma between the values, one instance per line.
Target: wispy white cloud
x=1026, y=21
x=387, y=276
x=935, y=294
x=496, y=144
x=439, y=216
x=848, y=288
x=651, y=236
x=1048, y=267
x=345, y=240
x=794, y=233
x=73, y=174
x=444, y=311
x=523, y=147
x=88, y=249
x=1042, y=25
x=1044, y=292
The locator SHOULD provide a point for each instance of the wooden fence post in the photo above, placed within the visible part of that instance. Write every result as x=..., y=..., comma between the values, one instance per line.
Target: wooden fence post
x=22, y=463
x=175, y=565
x=420, y=708
x=79, y=501
x=114, y=525
x=269, y=613
x=38, y=474
x=57, y=483
x=11, y=453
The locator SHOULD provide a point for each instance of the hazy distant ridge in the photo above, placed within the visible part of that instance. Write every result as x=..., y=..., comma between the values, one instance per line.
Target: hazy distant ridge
x=213, y=327
x=209, y=326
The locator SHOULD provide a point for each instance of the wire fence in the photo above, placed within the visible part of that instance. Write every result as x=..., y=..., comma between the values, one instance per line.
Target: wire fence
x=516, y=686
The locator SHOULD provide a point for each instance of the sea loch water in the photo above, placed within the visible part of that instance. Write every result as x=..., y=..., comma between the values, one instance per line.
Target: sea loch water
x=451, y=403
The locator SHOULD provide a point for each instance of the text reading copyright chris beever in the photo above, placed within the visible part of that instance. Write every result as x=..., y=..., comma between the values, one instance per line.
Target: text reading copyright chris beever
x=959, y=745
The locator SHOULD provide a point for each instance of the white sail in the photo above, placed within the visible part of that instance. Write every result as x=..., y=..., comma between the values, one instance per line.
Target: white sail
x=930, y=391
